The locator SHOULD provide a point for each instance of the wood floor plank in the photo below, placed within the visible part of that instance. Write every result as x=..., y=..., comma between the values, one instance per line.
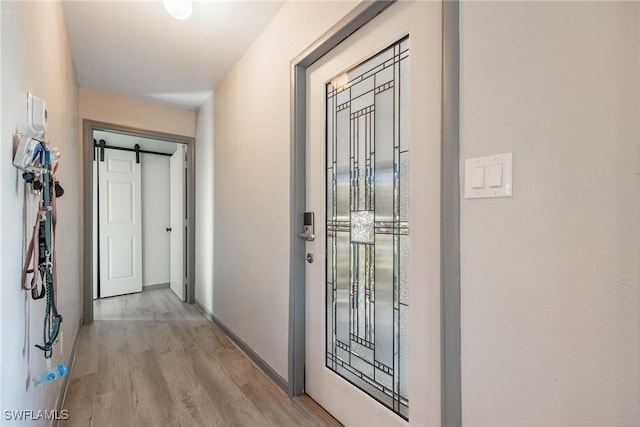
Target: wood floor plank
x=150, y=360
x=183, y=333
x=136, y=307
x=237, y=409
x=109, y=308
x=137, y=336
x=222, y=337
x=187, y=311
x=192, y=404
x=80, y=408
x=115, y=408
x=240, y=369
x=163, y=308
x=113, y=371
x=153, y=402
x=258, y=388
x=203, y=332
x=276, y=406
x=160, y=336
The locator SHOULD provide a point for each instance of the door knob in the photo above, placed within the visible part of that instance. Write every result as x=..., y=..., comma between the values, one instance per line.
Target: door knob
x=168, y=228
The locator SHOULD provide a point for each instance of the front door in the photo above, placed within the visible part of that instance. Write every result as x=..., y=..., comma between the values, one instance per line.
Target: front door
x=120, y=224
x=373, y=181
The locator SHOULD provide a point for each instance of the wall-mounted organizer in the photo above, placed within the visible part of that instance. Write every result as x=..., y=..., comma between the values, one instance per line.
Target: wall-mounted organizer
x=39, y=163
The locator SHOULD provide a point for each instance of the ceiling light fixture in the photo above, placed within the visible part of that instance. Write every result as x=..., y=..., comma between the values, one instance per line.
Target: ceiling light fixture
x=179, y=9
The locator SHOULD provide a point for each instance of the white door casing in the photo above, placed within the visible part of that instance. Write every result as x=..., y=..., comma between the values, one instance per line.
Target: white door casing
x=422, y=22
x=120, y=224
x=177, y=215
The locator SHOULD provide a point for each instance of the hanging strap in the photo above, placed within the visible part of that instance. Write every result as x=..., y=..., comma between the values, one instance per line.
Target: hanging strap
x=34, y=255
x=52, y=318
x=54, y=222
x=33, y=250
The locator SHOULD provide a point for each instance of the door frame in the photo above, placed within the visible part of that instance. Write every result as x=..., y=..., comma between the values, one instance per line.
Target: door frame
x=450, y=378
x=88, y=127
x=172, y=203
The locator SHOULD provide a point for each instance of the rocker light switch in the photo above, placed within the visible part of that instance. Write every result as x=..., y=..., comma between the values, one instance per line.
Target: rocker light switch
x=488, y=176
x=495, y=176
x=477, y=178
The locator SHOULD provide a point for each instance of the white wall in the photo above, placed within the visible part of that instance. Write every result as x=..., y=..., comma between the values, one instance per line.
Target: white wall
x=550, y=292
x=155, y=219
x=133, y=113
x=2, y=162
x=252, y=180
x=36, y=58
x=204, y=205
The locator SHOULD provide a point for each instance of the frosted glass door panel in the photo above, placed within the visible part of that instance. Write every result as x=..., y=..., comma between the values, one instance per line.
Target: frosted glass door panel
x=367, y=226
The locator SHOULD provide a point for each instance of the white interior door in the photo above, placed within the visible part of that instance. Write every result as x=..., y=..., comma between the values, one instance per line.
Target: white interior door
x=177, y=209
x=373, y=181
x=120, y=224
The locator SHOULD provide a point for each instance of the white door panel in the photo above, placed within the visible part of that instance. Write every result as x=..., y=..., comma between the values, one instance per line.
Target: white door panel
x=177, y=209
x=120, y=224
x=375, y=223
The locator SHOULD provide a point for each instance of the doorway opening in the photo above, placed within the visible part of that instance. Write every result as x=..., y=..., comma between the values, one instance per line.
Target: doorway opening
x=138, y=213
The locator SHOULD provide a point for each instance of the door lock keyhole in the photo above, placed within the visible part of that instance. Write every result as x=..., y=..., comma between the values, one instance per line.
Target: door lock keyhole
x=309, y=258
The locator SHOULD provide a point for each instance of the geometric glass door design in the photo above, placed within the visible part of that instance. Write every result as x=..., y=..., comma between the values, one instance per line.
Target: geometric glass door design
x=367, y=227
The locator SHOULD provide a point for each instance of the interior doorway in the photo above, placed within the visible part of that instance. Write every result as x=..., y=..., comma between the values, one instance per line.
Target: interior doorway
x=139, y=213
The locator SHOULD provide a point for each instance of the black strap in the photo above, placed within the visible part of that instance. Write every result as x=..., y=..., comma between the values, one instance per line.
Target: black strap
x=42, y=263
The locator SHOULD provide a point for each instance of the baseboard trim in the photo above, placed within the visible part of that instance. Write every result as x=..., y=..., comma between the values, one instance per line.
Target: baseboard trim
x=65, y=384
x=266, y=368
x=157, y=286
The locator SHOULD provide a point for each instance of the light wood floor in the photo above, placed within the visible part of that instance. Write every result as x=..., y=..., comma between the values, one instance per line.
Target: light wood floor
x=150, y=360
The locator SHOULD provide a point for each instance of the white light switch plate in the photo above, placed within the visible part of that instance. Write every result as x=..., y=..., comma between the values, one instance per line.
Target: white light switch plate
x=497, y=180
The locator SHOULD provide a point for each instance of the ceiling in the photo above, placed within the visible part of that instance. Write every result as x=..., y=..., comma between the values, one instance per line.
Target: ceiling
x=137, y=50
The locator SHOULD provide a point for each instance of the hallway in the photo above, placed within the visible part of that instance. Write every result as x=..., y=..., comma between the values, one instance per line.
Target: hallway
x=477, y=165
x=149, y=359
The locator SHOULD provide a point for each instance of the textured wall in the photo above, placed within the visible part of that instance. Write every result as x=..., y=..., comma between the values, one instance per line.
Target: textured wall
x=36, y=58
x=550, y=277
x=204, y=205
x=252, y=180
x=134, y=113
